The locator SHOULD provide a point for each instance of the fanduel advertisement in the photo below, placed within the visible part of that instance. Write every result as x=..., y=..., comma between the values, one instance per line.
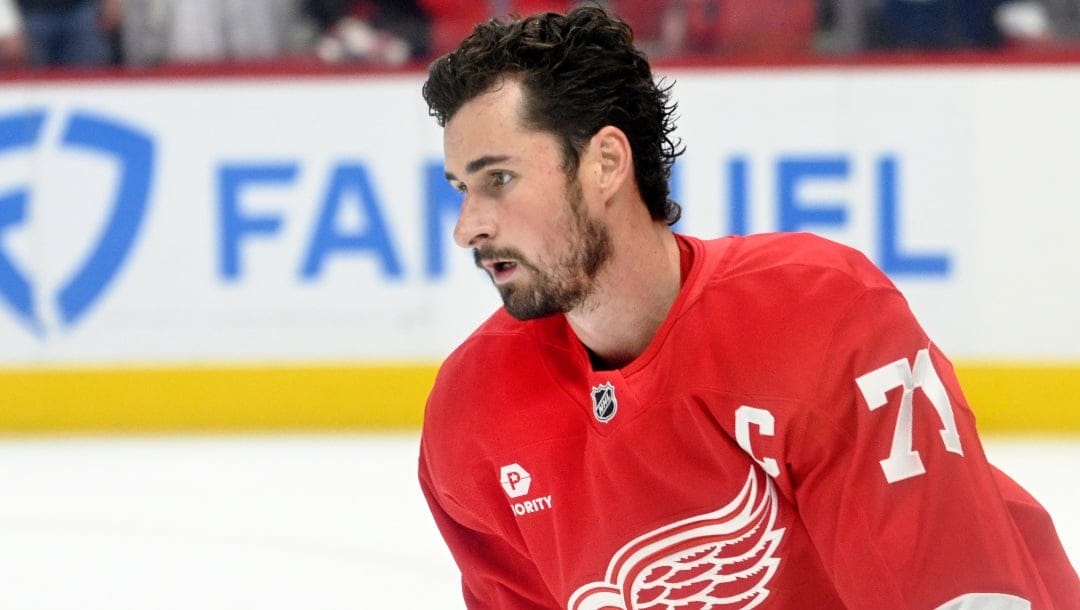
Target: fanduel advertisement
x=80, y=133
x=307, y=219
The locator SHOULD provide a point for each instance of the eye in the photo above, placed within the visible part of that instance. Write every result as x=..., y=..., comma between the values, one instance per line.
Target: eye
x=500, y=178
x=459, y=187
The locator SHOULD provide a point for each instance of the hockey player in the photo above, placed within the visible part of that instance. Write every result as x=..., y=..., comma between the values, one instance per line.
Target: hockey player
x=654, y=421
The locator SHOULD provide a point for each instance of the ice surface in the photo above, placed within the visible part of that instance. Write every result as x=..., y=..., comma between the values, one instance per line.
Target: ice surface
x=278, y=522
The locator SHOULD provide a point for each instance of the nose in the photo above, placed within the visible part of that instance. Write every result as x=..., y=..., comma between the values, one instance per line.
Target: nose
x=475, y=223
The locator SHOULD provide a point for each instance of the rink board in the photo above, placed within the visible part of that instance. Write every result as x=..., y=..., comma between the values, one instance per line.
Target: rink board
x=273, y=252
x=1021, y=399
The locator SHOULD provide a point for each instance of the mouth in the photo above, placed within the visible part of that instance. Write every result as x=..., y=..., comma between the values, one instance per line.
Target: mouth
x=500, y=270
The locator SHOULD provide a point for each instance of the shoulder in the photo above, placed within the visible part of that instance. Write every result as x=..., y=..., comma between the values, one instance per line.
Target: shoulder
x=772, y=307
x=497, y=346
x=795, y=255
x=489, y=352
x=492, y=377
x=801, y=269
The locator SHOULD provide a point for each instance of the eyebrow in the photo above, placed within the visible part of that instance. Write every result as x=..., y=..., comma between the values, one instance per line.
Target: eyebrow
x=478, y=164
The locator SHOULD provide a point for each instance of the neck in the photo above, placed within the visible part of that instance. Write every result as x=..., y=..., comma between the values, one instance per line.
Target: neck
x=632, y=295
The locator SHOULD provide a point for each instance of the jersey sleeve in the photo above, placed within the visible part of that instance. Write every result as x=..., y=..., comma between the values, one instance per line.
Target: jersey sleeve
x=495, y=574
x=891, y=479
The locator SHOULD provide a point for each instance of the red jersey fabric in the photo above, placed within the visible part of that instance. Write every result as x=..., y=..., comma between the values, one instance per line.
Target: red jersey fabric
x=790, y=438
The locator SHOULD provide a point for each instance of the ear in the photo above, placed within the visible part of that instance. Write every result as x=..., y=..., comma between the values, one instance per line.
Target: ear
x=613, y=160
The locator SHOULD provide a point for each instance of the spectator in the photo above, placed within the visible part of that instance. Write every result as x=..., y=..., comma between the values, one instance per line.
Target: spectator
x=723, y=28
x=380, y=31
x=1064, y=17
x=12, y=41
x=452, y=20
x=843, y=25
x=1028, y=23
x=938, y=24
x=849, y=26
x=70, y=32
x=196, y=31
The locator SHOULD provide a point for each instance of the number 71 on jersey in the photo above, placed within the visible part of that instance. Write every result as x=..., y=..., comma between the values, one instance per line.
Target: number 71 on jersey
x=904, y=461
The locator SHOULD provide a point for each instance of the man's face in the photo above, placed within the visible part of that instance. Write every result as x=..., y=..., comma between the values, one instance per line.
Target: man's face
x=526, y=220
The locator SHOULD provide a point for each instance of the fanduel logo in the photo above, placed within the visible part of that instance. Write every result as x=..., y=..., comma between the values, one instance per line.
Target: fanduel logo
x=81, y=133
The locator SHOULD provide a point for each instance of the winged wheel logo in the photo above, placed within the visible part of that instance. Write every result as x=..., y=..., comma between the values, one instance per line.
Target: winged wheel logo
x=719, y=560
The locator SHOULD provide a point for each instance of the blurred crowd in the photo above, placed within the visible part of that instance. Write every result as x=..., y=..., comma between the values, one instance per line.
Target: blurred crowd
x=48, y=33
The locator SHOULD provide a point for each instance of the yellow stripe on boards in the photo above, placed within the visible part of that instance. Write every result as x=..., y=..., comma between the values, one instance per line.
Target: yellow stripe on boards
x=221, y=398
x=1023, y=397
x=1005, y=397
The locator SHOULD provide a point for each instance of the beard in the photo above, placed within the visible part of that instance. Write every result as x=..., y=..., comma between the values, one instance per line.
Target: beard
x=566, y=284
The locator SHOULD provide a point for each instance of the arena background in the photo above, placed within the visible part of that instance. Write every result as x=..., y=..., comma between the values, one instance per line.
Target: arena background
x=224, y=297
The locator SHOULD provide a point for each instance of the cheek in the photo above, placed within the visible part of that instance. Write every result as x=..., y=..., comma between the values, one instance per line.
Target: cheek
x=536, y=212
x=539, y=221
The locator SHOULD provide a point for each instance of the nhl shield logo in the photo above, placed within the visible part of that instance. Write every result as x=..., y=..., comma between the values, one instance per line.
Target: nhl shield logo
x=604, y=403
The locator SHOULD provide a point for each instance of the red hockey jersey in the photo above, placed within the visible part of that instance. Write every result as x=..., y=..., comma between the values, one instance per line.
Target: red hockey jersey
x=790, y=438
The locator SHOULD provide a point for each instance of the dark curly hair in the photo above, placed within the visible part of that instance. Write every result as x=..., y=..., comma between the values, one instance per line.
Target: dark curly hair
x=580, y=72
